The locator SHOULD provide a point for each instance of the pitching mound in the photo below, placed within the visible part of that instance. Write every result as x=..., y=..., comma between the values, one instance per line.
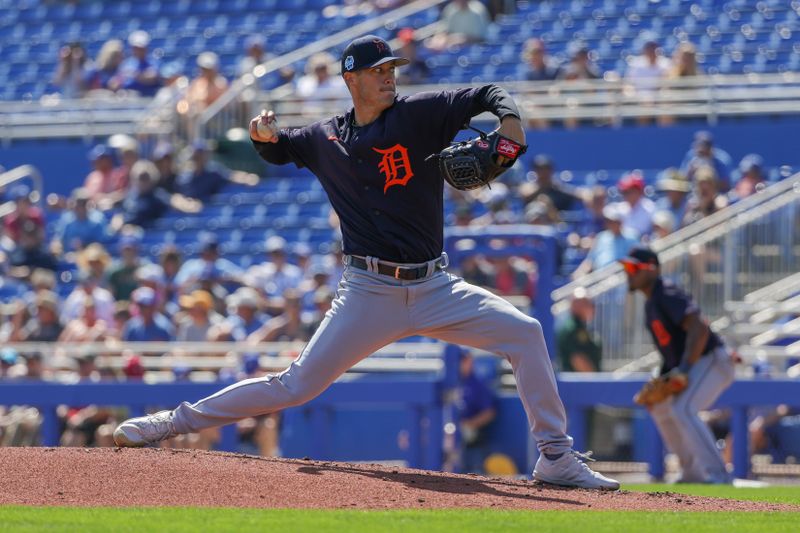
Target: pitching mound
x=160, y=477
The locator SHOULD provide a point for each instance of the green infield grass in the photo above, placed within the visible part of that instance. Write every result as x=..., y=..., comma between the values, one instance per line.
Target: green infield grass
x=786, y=494
x=72, y=519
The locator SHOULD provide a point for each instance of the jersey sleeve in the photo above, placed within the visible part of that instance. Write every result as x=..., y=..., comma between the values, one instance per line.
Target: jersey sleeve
x=295, y=145
x=452, y=110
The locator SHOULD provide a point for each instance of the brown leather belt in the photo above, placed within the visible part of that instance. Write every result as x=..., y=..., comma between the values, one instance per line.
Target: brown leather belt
x=397, y=272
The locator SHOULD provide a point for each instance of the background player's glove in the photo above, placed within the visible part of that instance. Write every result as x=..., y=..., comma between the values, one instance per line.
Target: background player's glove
x=659, y=389
x=472, y=164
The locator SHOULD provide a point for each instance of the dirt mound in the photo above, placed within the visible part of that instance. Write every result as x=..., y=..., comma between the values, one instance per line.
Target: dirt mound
x=160, y=477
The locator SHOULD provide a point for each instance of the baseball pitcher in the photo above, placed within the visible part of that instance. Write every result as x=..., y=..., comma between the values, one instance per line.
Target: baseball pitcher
x=383, y=165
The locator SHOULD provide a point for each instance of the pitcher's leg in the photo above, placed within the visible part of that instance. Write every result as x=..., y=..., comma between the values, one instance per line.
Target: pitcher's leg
x=344, y=338
x=461, y=313
x=365, y=317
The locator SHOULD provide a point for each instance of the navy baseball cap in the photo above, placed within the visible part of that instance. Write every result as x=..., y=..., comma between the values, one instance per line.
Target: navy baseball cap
x=641, y=255
x=367, y=52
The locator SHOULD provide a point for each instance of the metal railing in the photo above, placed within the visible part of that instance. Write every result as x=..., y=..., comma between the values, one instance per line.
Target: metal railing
x=16, y=174
x=235, y=107
x=609, y=101
x=721, y=258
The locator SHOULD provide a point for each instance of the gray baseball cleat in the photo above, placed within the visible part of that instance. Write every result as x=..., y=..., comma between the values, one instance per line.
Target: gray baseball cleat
x=144, y=430
x=570, y=470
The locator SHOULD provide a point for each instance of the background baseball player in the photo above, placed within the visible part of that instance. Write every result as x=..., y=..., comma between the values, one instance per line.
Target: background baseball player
x=697, y=368
x=374, y=163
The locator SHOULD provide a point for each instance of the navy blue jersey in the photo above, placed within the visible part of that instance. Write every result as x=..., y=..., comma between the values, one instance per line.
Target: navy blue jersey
x=388, y=197
x=664, y=312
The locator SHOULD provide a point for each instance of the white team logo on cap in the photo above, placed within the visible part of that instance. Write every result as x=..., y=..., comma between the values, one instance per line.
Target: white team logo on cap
x=348, y=63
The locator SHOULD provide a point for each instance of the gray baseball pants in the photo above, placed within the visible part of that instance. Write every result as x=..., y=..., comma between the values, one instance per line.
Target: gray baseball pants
x=679, y=424
x=372, y=310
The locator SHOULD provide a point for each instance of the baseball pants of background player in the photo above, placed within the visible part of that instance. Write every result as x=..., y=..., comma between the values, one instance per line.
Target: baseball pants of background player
x=372, y=310
x=684, y=433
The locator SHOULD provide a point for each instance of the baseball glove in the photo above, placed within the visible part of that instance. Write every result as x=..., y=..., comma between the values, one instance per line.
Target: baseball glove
x=468, y=165
x=660, y=388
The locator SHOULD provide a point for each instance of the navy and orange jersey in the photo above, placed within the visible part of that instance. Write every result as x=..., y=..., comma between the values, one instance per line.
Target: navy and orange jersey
x=665, y=311
x=388, y=197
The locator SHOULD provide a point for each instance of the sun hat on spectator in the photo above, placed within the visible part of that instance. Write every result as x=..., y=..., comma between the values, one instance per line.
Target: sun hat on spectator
x=139, y=39
x=672, y=179
x=274, y=244
x=208, y=61
x=198, y=297
x=162, y=150
x=245, y=297
x=47, y=299
x=144, y=296
x=150, y=273
x=613, y=213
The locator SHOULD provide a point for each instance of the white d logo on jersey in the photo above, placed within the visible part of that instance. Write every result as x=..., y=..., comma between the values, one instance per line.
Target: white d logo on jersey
x=348, y=63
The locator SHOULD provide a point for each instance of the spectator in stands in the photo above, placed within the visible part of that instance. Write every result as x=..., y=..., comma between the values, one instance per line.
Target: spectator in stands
x=151, y=275
x=646, y=73
x=497, y=200
x=276, y=275
x=122, y=313
x=637, y=207
x=44, y=325
x=664, y=223
x=208, y=263
x=80, y=226
x=94, y=260
x=255, y=54
x=476, y=411
x=199, y=317
x=70, y=76
x=105, y=75
x=146, y=202
x=319, y=87
x=102, y=184
x=579, y=350
x=207, y=86
x=170, y=261
x=134, y=369
x=702, y=154
x=204, y=178
x=539, y=66
x=246, y=320
x=149, y=325
x=751, y=178
x=609, y=245
x=706, y=199
x=86, y=328
x=323, y=301
x=140, y=72
x=417, y=70
x=684, y=62
x=88, y=288
x=580, y=66
x=25, y=227
x=316, y=276
x=286, y=326
x=592, y=220
x=465, y=21
x=127, y=151
x=164, y=158
x=122, y=276
x=563, y=197
x=8, y=359
x=675, y=189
